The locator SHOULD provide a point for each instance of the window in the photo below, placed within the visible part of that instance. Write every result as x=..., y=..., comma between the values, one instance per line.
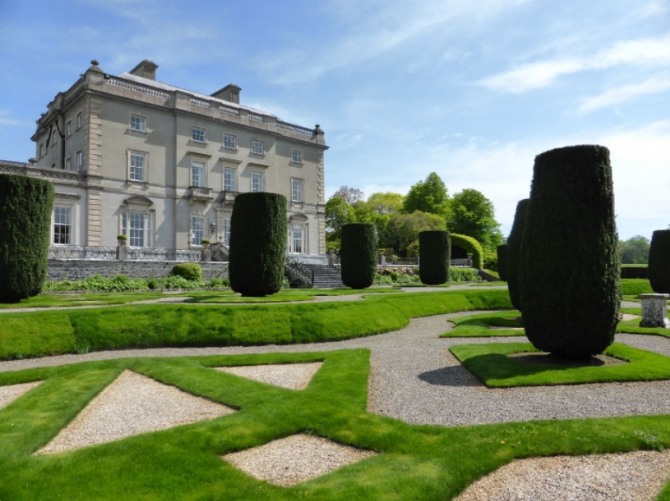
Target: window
x=197, y=229
x=198, y=134
x=137, y=168
x=80, y=120
x=226, y=231
x=229, y=175
x=296, y=190
x=230, y=141
x=257, y=181
x=138, y=226
x=68, y=128
x=297, y=239
x=198, y=174
x=79, y=160
x=68, y=163
x=62, y=229
x=257, y=148
x=41, y=154
x=138, y=123
x=296, y=156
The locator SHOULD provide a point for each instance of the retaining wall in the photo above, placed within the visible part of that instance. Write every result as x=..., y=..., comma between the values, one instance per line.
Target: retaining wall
x=73, y=269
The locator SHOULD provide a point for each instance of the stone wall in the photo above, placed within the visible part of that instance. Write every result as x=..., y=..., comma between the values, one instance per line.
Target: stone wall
x=70, y=269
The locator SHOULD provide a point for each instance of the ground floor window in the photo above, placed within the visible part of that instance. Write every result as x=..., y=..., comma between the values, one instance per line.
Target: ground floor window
x=62, y=225
x=138, y=225
x=297, y=239
x=197, y=229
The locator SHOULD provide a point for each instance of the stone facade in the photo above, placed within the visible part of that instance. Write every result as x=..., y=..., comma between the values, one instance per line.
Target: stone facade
x=131, y=155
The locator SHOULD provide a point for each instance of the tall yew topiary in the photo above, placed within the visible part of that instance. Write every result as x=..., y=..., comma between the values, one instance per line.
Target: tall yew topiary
x=25, y=220
x=257, y=243
x=358, y=255
x=501, y=254
x=659, y=261
x=434, y=254
x=514, y=259
x=570, y=273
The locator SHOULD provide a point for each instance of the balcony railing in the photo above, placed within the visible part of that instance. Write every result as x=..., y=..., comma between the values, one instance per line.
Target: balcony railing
x=76, y=252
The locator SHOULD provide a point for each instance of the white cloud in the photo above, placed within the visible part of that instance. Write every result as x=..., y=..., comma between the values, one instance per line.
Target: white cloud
x=623, y=94
x=645, y=52
x=6, y=120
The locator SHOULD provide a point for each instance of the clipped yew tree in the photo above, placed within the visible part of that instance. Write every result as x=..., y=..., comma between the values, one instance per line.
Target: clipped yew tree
x=501, y=254
x=257, y=243
x=570, y=274
x=25, y=220
x=514, y=260
x=659, y=262
x=462, y=245
x=358, y=255
x=434, y=255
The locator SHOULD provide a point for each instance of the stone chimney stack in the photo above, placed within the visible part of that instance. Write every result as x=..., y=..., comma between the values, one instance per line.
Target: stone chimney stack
x=146, y=69
x=230, y=93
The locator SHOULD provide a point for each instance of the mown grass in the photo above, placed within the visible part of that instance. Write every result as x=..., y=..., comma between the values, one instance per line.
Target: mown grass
x=413, y=462
x=495, y=324
x=158, y=325
x=493, y=366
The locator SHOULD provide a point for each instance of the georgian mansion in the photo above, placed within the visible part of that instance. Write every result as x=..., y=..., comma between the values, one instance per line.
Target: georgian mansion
x=131, y=156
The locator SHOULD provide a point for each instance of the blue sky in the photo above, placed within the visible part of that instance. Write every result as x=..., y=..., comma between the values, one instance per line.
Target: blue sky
x=470, y=90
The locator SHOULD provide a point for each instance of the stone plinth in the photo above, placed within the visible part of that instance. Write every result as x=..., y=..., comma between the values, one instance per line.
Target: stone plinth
x=654, y=310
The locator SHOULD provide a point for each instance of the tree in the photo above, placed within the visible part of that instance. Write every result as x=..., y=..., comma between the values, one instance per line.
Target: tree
x=257, y=244
x=338, y=213
x=359, y=255
x=570, y=276
x=386, y=203
x=514, y=248
x=473, y=214
x=428, y=196
x=434, y=252
x=403, y=229
x=349, y=194
x=635, y=250
x=25, y=219
x=659, y=261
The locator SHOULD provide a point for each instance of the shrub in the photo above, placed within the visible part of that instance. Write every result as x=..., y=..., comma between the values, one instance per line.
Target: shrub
x=570, y=277
x=25, y=220
x=434, y=255
x=501, y=252
x=514, y=259
x=461, y=245
x=189, y=271
x=659, y=261
x=464, y=275
x=358, y=255
x=634, y=271
x=258, y=243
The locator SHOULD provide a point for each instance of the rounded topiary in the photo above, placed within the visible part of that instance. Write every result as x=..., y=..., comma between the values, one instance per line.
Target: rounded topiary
x=189, y=271
x=434, y=255
x=258, y=243
x=462, y=245
x=514, y=260
x=501, y=254
x=358, y=255
x=570, y=275
x=659, y=261
x=25, y=221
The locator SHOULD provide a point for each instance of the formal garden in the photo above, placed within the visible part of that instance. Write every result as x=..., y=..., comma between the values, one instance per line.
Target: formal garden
x=553, y=323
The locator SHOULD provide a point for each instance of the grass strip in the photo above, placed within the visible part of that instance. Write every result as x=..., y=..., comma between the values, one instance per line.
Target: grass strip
x=493, y=366
x=496, y=324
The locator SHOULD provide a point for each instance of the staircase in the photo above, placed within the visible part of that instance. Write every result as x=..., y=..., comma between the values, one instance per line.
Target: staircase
x=326, y=276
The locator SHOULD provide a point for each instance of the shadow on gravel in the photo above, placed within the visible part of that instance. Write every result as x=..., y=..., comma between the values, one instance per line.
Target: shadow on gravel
x=450, y=376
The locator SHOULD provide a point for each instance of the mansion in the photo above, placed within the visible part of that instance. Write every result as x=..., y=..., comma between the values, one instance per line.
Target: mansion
x=129, y=155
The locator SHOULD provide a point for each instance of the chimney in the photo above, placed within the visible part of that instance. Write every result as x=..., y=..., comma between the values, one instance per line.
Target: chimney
x=146, y=69
x=230, y=93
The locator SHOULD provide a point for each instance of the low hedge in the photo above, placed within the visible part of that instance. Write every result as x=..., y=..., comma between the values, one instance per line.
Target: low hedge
x=634, y=271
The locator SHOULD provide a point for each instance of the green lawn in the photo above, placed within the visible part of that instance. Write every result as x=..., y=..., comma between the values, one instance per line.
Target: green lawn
x=412, y=462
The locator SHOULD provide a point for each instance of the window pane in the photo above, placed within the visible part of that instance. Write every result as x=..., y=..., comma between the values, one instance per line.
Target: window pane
x=296, y=190
x=197, y=174
x=296, y=156
x=297, y=238
x=198, y=134
x=137, y=164
x=197, y=230
x=226, y=231
x=138, y=123
x=257, y=181
x=257, y=147
x=136, y=228
x=62, y=225
x=229, y=141
x=228, y=179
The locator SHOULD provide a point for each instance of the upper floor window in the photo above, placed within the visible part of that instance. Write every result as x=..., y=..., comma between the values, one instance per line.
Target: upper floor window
x=41, y=154
x=198, y=134
x=62, y=228
x=296, y=190
x=137, y=166
x=197, y=174
x=257, y=148
x=68, y=163
x=257, y=181
x=80, y=120
x=229, y=175
x=138, y=123
x=68, y=128
x=296, y=156
x=79, y=161
x=230, y=141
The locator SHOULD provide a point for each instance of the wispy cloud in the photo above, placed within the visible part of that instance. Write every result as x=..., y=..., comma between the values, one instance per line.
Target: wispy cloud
x=6, y=120
x=623, y=94
x=652, y=52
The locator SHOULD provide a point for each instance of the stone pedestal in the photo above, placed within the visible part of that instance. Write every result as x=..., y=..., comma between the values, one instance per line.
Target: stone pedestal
x=121, y=251
x=654, y=310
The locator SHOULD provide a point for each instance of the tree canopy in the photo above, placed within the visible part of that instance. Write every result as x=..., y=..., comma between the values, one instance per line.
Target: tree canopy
x=473, y=214
x=428, y=196
x=635, y=250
